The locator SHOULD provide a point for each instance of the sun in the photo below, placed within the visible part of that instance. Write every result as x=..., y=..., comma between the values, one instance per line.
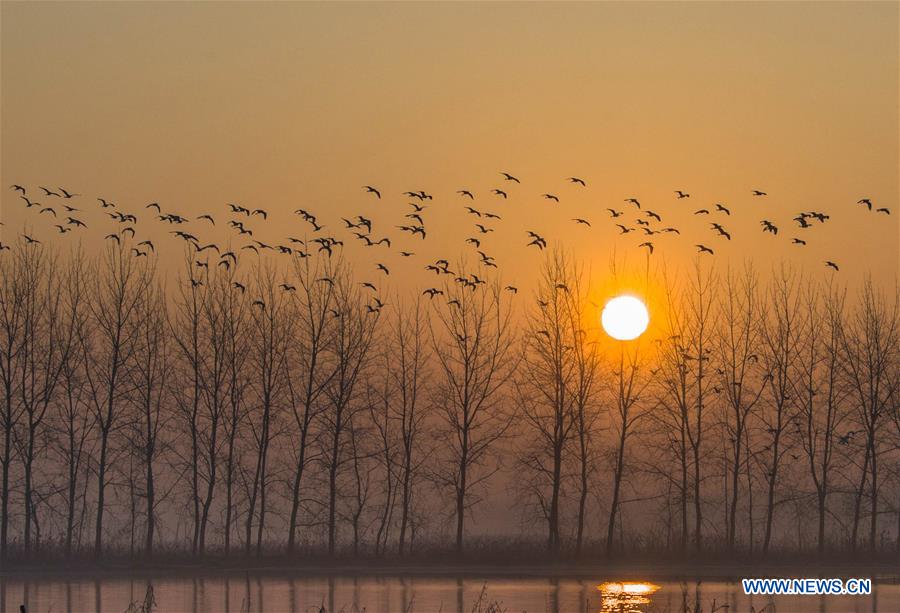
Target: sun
x=625, y=318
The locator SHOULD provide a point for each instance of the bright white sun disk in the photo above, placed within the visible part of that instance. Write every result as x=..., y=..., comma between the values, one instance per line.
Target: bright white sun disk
x=625, y=318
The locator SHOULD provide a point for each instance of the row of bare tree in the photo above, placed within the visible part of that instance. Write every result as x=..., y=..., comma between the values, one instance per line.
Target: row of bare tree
x=298, y=413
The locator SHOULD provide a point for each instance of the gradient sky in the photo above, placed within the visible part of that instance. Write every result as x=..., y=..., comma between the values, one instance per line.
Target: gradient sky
x=285, y=105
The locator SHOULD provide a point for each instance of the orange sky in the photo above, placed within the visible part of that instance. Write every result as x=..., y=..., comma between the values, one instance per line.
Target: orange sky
x=284, y=105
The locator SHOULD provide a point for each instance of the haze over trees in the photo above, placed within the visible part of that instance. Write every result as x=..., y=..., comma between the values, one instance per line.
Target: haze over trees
x=294, y=414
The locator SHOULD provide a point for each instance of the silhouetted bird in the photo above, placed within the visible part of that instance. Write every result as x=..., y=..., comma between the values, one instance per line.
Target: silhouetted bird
x=722, y=232
x=509, y=177
x=866, y=202
x=883, y=210
x=831, y=264
x=648, y=245
x=371, y=190
x=768, y=226
x=467, y=193
x=537, y=241
x=577, y=180
x=550, y=197
x=719, y=207
x=797, y=241
x=704, y=249
x=614, y=213
x=756, y=192
x=681, y=194
x=582, y=221
x=701, y=212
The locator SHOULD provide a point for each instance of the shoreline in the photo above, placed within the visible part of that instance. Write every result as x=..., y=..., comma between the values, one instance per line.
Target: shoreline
x=883, y=572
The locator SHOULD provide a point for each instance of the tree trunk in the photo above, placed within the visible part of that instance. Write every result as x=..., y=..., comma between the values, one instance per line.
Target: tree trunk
x=461, y=492
x=617, y=484
x=101, y=490
x=857, y=503
x=404, y=513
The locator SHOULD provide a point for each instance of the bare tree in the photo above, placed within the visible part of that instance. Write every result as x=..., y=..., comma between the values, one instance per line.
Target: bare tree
x=380, y=399
x=410, y=373
x=870, y=340
x=13, y=294
x=473, y=342
x=215, y=343
x=72, y=423
x=628, y=384
x=584, y=391
x=232, y=303
x=820, y=391
x=781, y=335
x=149, y=382
x=269, y=333
x=684, y=358
x=309, y=363
x=47, y=340
x=355, y=327
x=108, y=345
x=737, y=340
x=185, y=323
x=547, y=378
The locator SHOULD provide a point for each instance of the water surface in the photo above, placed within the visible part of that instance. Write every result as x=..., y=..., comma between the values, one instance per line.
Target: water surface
x=249, y=592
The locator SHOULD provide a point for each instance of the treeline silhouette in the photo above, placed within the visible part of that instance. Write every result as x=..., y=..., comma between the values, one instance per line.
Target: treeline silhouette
x=292, y=414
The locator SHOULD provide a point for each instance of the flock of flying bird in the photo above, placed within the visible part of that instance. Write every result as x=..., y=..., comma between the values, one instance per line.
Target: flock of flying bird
x=644, y=223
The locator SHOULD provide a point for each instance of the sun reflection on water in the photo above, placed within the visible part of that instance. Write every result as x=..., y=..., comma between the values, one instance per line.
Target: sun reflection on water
x=625, y=595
